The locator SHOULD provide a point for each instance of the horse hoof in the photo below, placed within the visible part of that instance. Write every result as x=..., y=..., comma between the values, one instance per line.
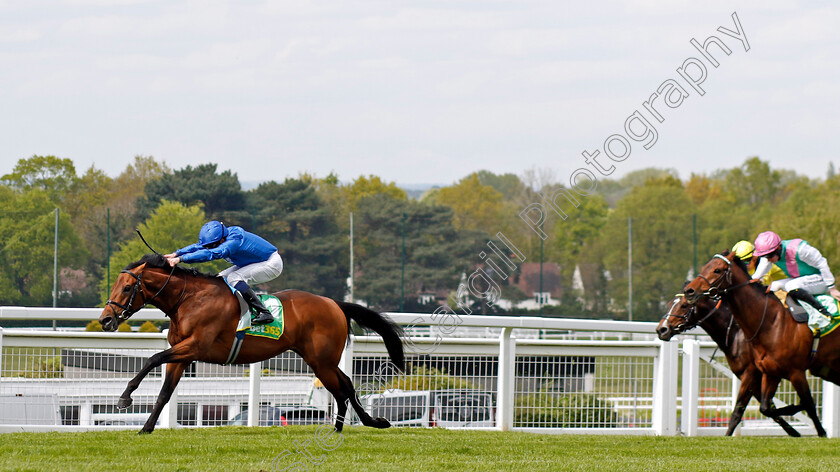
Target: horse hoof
x=124, y=403
x=144, y=431
x=380, y=423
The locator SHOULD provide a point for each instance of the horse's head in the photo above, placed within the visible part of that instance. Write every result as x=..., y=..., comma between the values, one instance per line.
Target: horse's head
x=714, y=278
x=682, y=316
x=126, y=298
x=128, y=295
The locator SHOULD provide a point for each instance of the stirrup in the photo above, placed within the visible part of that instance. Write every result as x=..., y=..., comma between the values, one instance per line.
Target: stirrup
x=262, y=318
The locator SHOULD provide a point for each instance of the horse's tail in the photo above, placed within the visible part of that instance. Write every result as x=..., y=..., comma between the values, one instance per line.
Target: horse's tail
x=391, y=332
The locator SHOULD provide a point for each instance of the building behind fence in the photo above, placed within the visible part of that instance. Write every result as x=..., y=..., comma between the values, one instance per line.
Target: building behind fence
x=508, y=373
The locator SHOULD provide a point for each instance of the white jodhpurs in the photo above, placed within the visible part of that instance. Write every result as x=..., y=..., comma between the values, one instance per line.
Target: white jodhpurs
x=256, y=273
x=812, y=284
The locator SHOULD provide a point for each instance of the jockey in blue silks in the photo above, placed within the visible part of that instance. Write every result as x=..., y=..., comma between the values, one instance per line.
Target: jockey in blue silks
x=254, y=260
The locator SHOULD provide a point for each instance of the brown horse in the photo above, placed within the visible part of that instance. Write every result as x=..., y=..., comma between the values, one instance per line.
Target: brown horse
x=204, y=313
x=781, y=346
x=718, y=322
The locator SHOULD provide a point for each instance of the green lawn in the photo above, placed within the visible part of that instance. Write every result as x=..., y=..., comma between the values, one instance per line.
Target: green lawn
x=239, y=448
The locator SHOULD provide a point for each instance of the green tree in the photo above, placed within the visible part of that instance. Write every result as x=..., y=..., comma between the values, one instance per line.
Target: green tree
x=27, y=221
x=171, y=226
x=475, y=206
x=127, y=189
x=435, y=254
x=48, y=173
x=508, y=185
x=810, y=214
x=220, y=193
x=368, y=186
x=755, y=183
x=292, y=216
x=662, y=245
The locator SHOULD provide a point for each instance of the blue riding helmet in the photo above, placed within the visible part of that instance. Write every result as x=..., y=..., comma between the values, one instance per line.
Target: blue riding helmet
x=211, y=232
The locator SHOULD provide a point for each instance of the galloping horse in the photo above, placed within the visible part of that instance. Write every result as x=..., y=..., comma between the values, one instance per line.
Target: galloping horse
x=204, y=313
x=719, y=323
x=782, y=347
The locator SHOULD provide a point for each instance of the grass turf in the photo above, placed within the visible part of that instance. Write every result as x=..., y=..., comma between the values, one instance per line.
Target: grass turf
x=401, y=449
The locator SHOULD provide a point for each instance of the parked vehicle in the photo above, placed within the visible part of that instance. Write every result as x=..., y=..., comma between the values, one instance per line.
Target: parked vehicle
x=21, y=409
x=433, y=408
x=283, y=416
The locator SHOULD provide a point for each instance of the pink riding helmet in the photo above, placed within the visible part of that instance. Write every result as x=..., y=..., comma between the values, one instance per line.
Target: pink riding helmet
x=766, y=243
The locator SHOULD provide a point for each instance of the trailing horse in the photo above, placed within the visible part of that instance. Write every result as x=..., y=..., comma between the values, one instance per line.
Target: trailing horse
x=204, y=313
x=781, y=346
x=718, y=322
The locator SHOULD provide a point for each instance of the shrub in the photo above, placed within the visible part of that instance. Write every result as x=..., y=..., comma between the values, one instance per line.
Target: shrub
x=94, y=325
x=427, y=378
x=125, y=328
x=48, y=368
x=148, y=327
x=575, y=410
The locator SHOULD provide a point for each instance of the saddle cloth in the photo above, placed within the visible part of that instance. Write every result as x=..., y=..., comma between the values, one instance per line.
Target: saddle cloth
x=804, y=312
x=271, y=330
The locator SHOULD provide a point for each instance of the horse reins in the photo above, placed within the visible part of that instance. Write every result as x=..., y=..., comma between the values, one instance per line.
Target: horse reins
x=716, y=293
x=683, y=327
x=137, y=288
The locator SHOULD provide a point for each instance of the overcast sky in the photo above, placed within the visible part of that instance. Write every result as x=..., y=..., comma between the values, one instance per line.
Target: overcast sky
x=415, y=92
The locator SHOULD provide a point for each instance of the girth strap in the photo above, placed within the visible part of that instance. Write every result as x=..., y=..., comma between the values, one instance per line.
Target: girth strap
x=234, y=349
x=814, y=345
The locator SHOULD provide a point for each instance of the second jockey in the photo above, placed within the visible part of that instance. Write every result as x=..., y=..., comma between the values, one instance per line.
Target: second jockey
x=254, y=260
x=806, y=269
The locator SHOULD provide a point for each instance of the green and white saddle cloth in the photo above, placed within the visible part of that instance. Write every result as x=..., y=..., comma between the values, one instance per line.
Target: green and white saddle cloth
x=271, y=330
x=817, y=321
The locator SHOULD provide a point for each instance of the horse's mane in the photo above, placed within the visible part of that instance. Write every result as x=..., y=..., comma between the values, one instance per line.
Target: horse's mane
x=157, y=261
x=759, y=287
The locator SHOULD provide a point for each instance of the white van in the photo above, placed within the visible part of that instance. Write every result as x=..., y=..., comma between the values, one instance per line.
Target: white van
x=433, y=408
x=20, y=409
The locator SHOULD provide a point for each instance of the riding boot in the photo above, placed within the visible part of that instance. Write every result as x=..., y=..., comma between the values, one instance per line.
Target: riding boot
x=807, y=297
x=251, y=298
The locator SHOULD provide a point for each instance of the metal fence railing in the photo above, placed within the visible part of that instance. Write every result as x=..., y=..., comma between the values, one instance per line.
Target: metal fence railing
x=527, y=374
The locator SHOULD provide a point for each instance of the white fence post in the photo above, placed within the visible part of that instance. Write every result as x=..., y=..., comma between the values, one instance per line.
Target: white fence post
x=169, y=414
x=1, y=352
x=86, y=414
x=506, y=381
x=831, y=409
x=254, y=394
x=690, y=386
x=665, y=389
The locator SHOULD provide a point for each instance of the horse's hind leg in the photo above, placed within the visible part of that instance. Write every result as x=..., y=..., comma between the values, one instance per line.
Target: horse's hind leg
x=350, y=391
x=341, y=387
x=800, y=383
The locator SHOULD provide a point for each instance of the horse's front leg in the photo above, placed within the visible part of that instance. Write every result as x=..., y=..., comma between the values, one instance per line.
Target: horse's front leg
x=173, y=375
x=181, y=352
x=769, y=384
x=744, y=396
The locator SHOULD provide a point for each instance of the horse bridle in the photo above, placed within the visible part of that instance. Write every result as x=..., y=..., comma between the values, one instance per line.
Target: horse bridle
x=135, y=289
x=687, y=323
x=716, y=293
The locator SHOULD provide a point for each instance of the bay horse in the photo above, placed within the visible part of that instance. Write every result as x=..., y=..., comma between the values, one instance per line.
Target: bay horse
x=718, y=322
x=781, y=346
x=204, y=314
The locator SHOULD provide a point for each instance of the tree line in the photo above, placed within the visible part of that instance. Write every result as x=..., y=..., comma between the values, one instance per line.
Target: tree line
x=403, y=246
